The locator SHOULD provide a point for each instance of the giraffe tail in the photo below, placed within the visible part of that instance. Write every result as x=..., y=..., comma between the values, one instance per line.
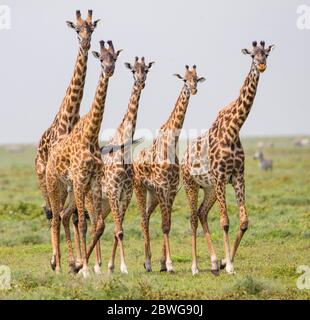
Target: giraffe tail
x=110, y=148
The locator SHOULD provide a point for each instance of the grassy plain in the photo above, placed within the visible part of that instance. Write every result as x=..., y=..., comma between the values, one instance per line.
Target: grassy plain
x=277, y=242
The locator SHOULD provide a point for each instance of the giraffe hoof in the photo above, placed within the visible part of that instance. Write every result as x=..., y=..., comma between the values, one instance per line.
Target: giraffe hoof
x=147, y=268
x=97, y=269
x=58, y=271
x=77, y=267
x=195, y=270
x=215, y=272
x=85, y=273
x=124, y=269
x=230, y=269
x=223, y=264
x=163, y=269
x=72, y=269
x=53, y=263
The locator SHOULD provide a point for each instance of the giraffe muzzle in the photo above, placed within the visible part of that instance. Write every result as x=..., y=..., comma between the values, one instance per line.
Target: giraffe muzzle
x=261, y=67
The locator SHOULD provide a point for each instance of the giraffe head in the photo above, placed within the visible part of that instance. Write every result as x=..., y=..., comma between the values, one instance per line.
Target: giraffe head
x=84, y=29
x=259, y=54
x=191, y=79
x=107, y=57
x=139, y=70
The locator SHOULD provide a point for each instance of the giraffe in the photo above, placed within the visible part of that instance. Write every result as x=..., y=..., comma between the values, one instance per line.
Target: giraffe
x=216, y=158
x=156, y=171
x=68, y=114
x=117, y=180
x=75, y=164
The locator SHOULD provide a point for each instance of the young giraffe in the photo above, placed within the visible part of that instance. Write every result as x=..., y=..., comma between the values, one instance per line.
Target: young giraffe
x=217, y=158
x=75, y=163
x=156, y=171
x=68, y=114
x=117, y=180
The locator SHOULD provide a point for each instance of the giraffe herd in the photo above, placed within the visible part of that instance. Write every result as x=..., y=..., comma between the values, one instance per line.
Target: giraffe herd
x=76, y=177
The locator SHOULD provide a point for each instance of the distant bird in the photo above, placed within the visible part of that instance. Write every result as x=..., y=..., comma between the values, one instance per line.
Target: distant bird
x=301, y=142
x=260, y=144
x=264, y=164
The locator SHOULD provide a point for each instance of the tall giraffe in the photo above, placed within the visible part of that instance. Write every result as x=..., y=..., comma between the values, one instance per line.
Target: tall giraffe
x=117, y=180
x=75, y=163
x=217, y=158
x=68, y=114
x=156, y=171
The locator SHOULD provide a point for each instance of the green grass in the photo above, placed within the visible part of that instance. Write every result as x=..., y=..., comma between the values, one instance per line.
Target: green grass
x=276, y=243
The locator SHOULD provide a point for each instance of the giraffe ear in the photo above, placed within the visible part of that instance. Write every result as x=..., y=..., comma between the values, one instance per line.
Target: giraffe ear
x=96, y=54
x=178, y=76
x=245, y=51
x=71, y=25
x=270, y=48
x=95, y=23
x=201, y=79
x=118, y=52
x=128, y=65
x=150, y=64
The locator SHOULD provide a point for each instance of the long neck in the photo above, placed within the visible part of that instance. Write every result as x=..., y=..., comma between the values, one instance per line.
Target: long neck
x=126, y=129
x=176, y=119
x=165, y=145
x=68, y=114
x=95, y=115
x=235, y=115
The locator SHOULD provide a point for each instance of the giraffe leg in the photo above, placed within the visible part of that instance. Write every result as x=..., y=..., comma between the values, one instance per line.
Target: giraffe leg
x=77, y=241
x=151, y=205
x=111, y=264
x=191, y=190
x=125, y=198
x=66, y=223
x=207, y=204
x=141, y=195
x=41, y=174
x=90, y=209
x=220, y=195
x=53, y=189
x=115, y=205
x=79, y=195
x=165, y=202
x=106, y=210
x=238, y=184
x=97, y=213
x=163, y=267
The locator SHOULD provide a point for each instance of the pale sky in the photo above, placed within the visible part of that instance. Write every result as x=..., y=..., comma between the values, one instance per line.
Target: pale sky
x=38, y=55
